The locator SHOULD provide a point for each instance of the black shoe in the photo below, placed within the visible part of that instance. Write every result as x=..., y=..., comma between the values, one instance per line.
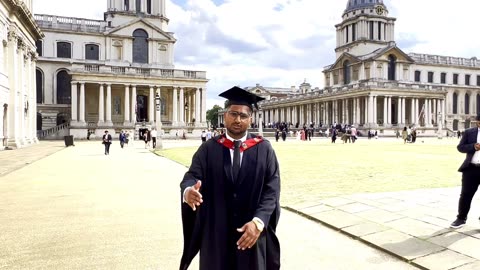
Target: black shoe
x=458, y=223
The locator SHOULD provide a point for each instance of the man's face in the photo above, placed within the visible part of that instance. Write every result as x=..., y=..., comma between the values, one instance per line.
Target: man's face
x=478, y=124
x=237, y=120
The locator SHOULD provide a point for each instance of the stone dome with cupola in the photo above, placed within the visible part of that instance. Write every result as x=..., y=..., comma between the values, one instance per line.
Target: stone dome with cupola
x=365, y=27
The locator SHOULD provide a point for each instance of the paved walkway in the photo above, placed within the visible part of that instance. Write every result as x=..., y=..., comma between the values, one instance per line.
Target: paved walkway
x=11, y=160
x=412, y=225
x=80, y=209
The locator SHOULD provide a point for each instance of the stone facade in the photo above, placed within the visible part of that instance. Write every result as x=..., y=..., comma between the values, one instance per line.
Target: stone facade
x=106, y=74
x=373, y=84
x=18, y=33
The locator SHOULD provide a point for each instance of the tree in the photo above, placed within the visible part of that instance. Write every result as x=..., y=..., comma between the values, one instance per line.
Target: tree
x=212, y=115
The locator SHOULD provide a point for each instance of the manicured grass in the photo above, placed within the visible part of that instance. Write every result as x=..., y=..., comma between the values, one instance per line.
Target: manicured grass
x=318, y=169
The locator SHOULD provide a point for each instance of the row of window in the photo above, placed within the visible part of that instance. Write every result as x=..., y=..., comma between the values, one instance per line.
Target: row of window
x=443, y=77
x=467, y=103
x=92, y=51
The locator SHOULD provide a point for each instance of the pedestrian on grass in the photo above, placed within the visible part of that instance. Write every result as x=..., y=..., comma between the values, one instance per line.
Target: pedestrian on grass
x=231, y=196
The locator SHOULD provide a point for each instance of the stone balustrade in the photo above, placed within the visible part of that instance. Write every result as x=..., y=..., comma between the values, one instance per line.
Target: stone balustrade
x=148, y=72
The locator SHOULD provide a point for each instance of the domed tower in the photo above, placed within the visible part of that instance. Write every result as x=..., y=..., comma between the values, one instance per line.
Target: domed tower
x=365, y=28
x=120, y=12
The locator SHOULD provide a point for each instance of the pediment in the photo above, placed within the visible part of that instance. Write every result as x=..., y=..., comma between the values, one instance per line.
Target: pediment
x=341, y=60
x=153, y=31
x=396, y=52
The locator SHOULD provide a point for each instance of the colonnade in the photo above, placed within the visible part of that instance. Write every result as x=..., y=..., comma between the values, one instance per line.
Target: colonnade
x=181, y=114
x=18, y=124
x=369, y=111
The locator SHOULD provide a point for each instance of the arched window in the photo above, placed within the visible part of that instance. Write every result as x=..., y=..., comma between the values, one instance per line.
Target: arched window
x=64, y=90
x=140, y=46
x=39, y=79
x=455, y=103
x=467, y=104
x=64, y=50
x=392, y=64
x=346, y=72
x=92, y=52
x=149, y=6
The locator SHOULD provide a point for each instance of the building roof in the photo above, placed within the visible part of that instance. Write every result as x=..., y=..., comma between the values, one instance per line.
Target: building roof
x=359, y=4
x=272, y=90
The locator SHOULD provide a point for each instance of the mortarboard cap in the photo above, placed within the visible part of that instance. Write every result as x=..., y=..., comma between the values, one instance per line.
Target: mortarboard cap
x=239, y=96
x=477, y=117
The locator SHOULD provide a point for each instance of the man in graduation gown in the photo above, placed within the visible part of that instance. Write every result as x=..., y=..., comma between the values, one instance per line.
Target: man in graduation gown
x=230, y=196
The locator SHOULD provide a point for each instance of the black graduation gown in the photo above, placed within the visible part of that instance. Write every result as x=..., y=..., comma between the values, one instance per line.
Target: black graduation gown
x=212, y=229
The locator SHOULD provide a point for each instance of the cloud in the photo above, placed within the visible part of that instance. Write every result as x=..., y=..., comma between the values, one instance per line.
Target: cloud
x=282, y=42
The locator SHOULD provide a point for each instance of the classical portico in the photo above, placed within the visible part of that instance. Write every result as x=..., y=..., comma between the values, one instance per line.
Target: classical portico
x=120, y=105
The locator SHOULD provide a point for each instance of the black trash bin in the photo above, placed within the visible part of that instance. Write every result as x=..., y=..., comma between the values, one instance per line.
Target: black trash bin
x=68, y=140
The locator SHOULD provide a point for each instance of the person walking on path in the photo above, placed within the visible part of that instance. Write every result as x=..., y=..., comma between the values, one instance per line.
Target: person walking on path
x=231, y=194
x=122, y=138
x=153, y=134
x=470, y=169
x=107, y=141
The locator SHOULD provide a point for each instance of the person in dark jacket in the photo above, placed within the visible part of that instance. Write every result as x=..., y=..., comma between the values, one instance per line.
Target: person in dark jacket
x=107, y=141
x=231, y=194
x=470, y=169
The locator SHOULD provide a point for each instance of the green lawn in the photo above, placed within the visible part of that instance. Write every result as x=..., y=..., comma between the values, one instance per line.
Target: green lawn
x=319, y=169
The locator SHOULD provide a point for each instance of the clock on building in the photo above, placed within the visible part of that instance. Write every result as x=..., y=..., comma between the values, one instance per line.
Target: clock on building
x=379, y=10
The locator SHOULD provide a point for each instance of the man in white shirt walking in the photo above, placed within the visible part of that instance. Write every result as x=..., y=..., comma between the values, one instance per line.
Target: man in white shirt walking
x=153, y=134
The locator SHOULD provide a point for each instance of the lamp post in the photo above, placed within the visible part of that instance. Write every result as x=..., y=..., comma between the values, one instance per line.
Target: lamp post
x=260, y=122
x=158, y=122
x=439, y=125
x=186, y=111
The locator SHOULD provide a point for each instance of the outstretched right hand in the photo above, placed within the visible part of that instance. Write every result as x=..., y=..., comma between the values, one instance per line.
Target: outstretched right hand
x=193, y=197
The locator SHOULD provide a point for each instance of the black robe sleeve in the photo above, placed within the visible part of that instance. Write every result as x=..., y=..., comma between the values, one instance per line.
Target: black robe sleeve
x=194, y=173
x=271, y=189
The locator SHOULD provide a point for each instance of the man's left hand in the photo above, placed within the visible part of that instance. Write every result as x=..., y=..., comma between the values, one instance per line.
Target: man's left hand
x=249, y=237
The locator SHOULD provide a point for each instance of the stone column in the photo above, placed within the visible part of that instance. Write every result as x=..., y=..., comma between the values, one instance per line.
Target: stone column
x=12, y=123
x=412, y=112
x=399, y=111
x=182, y=107
x=427, y=112
x=203, y=113
x=370, y=110
x=82, y=104
x=133, y=110
x=404, y=110
x=126, y=105
x=151, y=106
x=375, y=111
x=198, y=102
x=74, y=110
x=108, y=108
x=417, y=111
x=101, y=106
x=389, y=109
x=175, y=107
x=362, y=71
x=385, y=111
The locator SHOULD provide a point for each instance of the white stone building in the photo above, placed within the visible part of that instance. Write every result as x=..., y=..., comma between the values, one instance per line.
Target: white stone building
x=374, y=84
x=97, y=75
x=18, y=33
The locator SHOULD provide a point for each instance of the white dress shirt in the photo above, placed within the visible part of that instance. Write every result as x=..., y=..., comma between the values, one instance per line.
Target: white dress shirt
x=476, y=156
